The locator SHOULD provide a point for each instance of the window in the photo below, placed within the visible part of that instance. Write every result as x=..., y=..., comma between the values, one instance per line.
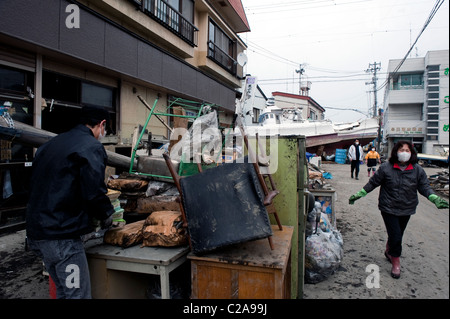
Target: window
x=175, y=15
x=221, y=48
x=12, y=80
x=433, y=116
x=433, y=110
x=97, y=95
x=432, y=131
x=433, y=82
x=433, y=95
x=433, y=67
x=187, y=10
x=66, y=95
x=60, y=88
x=433, y=102
x=411, y=80
x=408, y=81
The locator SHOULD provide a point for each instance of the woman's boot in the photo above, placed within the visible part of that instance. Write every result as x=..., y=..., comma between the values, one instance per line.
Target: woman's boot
x=395, y=272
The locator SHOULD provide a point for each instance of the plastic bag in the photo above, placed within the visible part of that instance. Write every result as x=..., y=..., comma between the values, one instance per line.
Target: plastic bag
x=323, y=254
x=203, y=138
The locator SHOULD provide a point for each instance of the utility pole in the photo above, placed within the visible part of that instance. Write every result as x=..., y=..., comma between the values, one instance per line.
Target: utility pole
x=373, y=68
x=300, y=72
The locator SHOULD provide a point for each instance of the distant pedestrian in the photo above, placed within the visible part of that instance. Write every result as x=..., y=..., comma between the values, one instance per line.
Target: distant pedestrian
x=399, y=179
x=356, y=156
x=371, y=160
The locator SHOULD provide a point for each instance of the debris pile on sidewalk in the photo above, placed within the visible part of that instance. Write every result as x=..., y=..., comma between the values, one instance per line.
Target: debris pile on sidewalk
x=317, y=177
x=440, y=182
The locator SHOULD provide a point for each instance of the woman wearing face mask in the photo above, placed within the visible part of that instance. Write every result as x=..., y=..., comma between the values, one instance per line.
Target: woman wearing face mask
x=371, y=159
x=400, y=179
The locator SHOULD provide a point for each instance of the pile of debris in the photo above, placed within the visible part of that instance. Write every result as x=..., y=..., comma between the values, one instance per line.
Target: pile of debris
x=141, y=195
x=439, y=182
x=318, y=177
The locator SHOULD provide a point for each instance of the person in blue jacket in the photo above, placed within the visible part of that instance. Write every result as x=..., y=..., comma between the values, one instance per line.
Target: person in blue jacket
x=67, y=192
x=399, y=179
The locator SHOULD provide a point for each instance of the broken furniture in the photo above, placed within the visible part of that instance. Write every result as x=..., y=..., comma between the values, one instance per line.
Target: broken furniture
x=118, y=273
x=245, y=271
x=221, y=206
x=181, y=111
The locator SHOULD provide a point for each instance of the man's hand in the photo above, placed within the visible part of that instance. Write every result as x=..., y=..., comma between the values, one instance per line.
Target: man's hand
x=106, y=223
x=439, y=202
x=357, y=196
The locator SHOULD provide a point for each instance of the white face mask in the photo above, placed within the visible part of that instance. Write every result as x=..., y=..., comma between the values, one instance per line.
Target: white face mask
x=403, y=156
x=356, y=143
x=102, y=133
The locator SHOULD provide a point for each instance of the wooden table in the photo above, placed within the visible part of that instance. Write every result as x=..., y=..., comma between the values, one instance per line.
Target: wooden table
x=159, y=261
x=249, y=270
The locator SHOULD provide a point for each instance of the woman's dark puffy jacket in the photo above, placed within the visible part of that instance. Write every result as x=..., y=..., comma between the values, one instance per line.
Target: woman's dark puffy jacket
x=398, y=189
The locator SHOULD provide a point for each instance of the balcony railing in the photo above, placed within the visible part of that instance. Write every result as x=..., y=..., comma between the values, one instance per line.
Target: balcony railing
x=221, y=57
x=170, y=18
x=398, y=86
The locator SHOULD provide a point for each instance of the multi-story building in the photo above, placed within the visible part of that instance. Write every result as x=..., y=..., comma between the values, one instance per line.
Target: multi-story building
x=416, y=103
x=309, y=107
x=58, y=55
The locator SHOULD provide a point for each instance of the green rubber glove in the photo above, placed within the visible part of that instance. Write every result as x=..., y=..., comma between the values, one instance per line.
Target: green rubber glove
x=358, y=195
x=439, y=202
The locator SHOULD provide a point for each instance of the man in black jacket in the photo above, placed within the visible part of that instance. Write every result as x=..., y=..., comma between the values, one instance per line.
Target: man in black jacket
x=67, y=192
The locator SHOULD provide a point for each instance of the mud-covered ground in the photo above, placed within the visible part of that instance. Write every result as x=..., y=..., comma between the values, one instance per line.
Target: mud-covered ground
x=425, y=260
x=425, y=256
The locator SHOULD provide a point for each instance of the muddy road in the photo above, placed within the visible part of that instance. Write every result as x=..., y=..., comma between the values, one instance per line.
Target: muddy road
x=425, y=256
x=425, y=260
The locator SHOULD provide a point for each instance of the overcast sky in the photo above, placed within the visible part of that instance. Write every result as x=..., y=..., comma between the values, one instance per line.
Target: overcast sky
x=335, y=41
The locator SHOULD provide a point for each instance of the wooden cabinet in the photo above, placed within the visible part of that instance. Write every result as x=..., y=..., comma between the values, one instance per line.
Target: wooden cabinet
x=249, y=270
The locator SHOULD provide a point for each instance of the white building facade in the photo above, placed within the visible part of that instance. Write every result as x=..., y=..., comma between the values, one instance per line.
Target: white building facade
x=416, y=103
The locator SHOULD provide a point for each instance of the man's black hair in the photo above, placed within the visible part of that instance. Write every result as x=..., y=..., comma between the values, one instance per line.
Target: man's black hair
x=92, y=116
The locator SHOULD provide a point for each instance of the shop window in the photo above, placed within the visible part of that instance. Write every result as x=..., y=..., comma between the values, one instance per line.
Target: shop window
x=12, y=80
x=97, y=95
x=60, y=88
x=16, y=91
x=65, y=95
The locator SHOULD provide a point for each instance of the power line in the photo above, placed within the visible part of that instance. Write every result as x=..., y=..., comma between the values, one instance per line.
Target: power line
x=433, y=12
